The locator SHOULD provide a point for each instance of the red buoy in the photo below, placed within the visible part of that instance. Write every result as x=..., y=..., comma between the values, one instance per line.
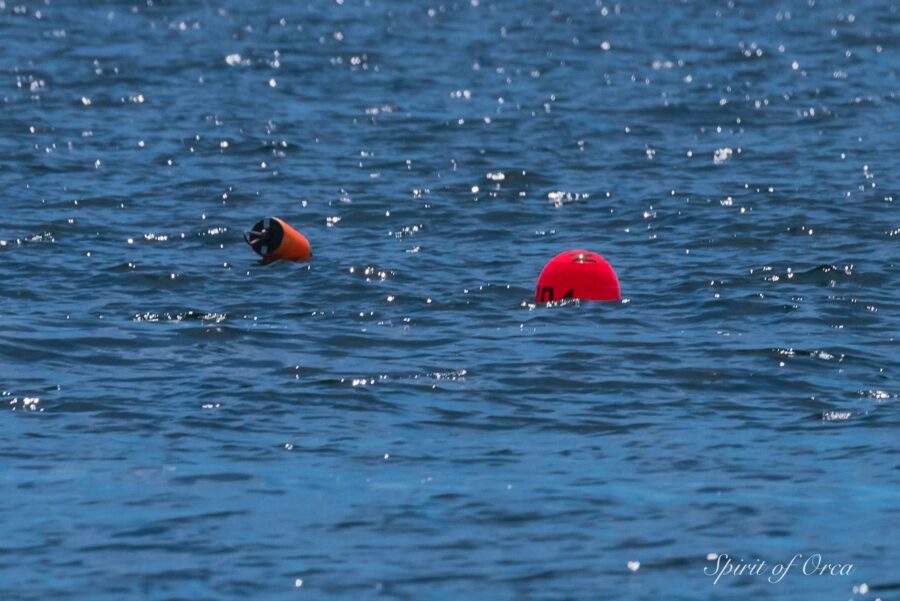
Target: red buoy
x=577, y=274
x=273, y=239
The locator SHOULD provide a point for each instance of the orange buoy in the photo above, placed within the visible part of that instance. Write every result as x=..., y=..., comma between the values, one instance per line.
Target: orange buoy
x=273, y=239
x=577, y=274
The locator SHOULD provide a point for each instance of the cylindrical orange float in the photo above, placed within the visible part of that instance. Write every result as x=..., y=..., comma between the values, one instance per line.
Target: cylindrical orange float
x=273, y=240
x=577, y=274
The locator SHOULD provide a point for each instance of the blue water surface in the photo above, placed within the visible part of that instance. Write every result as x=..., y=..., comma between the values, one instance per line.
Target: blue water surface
x=397, y=419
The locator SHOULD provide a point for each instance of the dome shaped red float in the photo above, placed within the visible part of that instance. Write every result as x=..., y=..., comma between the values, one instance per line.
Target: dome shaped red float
x=578, y=274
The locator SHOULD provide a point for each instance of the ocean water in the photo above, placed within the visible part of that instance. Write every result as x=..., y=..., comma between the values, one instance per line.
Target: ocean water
x=397, y=419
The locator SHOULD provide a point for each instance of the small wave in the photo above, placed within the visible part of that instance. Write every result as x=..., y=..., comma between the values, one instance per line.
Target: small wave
x=178, y=317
